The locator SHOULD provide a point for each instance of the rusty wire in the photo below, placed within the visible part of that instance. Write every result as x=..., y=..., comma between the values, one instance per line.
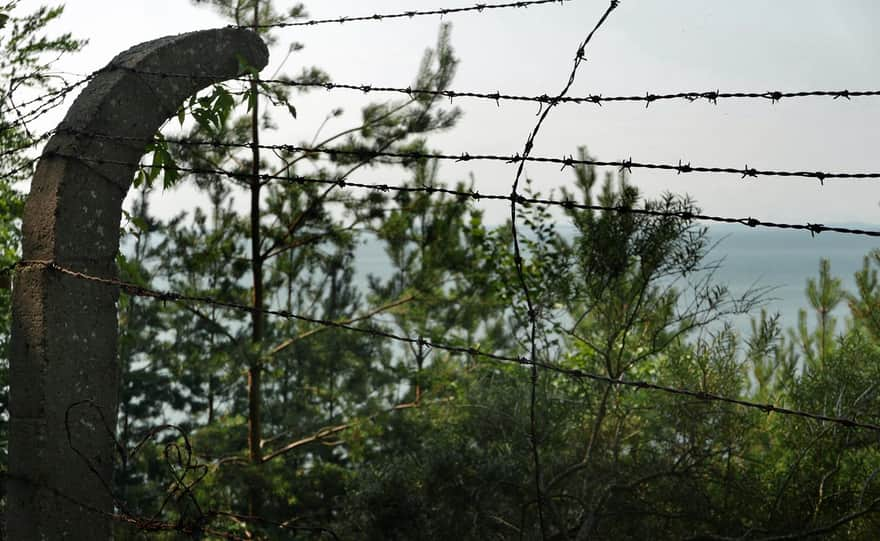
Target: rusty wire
x=54, y=97
x=27, y=164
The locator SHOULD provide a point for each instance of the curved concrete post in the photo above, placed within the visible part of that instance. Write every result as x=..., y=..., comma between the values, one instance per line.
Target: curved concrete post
x=64, y=329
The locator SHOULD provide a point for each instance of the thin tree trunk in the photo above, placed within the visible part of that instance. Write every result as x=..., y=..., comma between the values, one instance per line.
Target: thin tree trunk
x=255, y=369
x=210, y=420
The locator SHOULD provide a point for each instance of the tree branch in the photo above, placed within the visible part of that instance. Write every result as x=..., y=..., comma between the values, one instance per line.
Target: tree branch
x=385, y=307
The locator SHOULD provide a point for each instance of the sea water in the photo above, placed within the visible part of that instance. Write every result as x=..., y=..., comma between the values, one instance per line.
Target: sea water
x=781, y=261
x=784, y=260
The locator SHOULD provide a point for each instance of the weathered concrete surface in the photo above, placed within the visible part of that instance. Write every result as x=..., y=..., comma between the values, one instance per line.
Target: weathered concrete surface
x=64, y=329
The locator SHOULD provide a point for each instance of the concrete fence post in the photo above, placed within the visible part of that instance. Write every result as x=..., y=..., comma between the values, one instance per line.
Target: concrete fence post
x=64, y=334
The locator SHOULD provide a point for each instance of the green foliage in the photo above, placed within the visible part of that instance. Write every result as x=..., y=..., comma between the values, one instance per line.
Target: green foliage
x=162, y=164
x=773, y=361
x=674, y=467
x=469, y=474
x=823, y=295
x=27, y=52
x=863, y=304
x=376, y=440
x=301, y=237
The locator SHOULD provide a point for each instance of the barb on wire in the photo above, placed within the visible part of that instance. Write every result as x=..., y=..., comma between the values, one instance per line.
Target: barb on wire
x=53, y=98
x=596, y=99
x=280, y=525
x=64, y=90
x=627, y=164
x=813, y=228
x=498, y=96
x=478, y=8
x=566, y=161
x=518, y=263
x=140, y=291
x=45, y=102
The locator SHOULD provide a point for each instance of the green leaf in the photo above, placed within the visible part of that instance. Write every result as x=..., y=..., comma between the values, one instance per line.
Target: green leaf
x=140, y=223
x=172, y=175
x=251, y=98
x=203, y=118
x=156, y=167
x=224, y=104
x=169, y=168
x=292, y=110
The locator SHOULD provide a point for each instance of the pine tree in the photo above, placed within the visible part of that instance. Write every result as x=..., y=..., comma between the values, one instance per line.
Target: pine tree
x=292, y=250
x=823, y=295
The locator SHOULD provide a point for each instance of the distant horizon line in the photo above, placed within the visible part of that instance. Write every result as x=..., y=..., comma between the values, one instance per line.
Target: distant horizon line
x=853, y=225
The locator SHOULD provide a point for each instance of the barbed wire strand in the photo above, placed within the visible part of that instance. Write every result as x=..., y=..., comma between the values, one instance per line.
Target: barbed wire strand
x=47, y=101
x=579, y=57
x=54, y=98
x=167, y=296
x=498, y=96
x=568, y=204
x=478, y=8
x=648, y=98
x=626, y=165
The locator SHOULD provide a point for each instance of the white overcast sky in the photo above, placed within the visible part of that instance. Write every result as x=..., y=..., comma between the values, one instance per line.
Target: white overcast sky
x=646, y=45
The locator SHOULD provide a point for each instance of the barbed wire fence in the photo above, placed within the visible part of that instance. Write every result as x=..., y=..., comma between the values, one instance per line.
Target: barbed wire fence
x=579, y=57
x=190, y=471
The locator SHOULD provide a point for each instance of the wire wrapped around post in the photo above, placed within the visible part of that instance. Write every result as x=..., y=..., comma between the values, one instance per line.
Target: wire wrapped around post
x=65, y=330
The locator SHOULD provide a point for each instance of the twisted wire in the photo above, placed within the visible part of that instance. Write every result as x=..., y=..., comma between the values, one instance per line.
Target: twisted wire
x=568, y=204
x=167, y=296
x=626, y=165
x=648, y=98
x=478, y=8
x=498, y=96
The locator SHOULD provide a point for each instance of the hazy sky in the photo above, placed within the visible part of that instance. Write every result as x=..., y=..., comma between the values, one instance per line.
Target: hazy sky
x=646, y=45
